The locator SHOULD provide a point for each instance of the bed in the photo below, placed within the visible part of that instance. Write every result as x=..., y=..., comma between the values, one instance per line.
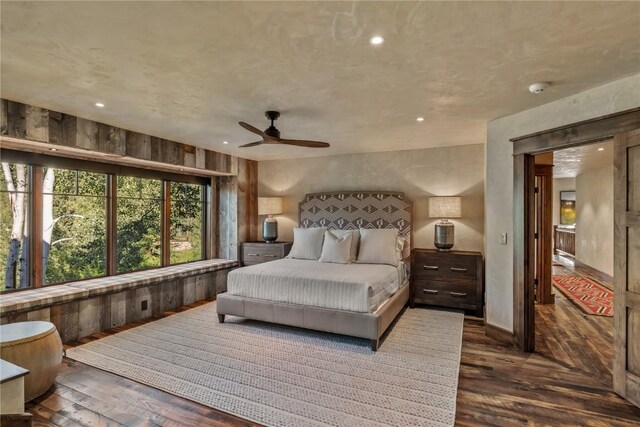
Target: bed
x=359, y=300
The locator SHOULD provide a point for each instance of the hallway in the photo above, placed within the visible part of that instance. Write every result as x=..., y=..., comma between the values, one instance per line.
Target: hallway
x=566, y=334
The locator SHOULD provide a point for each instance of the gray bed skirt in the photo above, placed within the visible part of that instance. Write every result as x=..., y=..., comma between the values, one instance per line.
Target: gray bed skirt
x=363, y=325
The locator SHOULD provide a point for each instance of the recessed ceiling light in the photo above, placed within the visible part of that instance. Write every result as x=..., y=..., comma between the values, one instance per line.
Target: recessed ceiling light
x=99, y=105
x=420, y=119
x=601, y=149
x=225, y=142
x=376, y=40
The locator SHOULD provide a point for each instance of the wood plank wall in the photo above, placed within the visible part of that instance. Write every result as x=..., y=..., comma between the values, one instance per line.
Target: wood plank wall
x=234, y=207
x=77, y=319
x=39, y=124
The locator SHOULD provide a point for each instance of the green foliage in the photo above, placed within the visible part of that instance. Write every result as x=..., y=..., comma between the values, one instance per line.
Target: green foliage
x=79, y=227
x=19, y=178
x=186, y=222
x=77, y=246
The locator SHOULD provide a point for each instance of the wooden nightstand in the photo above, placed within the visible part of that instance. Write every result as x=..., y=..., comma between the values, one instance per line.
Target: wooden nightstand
x=259, y=252
x=452, y=279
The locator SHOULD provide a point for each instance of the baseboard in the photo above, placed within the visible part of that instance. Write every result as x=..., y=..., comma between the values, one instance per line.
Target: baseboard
x=499, y=334
x=604, y=277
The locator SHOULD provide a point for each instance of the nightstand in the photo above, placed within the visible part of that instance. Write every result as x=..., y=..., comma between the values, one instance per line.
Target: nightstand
x=259, y=252
x=452, y=279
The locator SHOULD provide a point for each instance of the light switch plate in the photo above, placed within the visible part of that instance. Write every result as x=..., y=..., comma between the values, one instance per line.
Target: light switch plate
x=503, y=238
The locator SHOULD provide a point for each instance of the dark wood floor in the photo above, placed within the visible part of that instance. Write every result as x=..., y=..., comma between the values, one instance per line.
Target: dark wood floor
x=568, y=382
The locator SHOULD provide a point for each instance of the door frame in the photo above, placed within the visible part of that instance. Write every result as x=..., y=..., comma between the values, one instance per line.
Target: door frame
x=524, y=149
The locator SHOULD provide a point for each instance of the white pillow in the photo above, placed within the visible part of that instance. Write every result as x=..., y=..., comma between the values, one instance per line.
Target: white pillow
x=355, y=239
x=307, y=243
x=336, y=249
x=378, y=246
x=399, y=247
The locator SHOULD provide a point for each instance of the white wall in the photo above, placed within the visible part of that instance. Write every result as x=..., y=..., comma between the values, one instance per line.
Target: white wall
x=616, y=96
x=560, y=184
x=594, y=219
x=418, y=173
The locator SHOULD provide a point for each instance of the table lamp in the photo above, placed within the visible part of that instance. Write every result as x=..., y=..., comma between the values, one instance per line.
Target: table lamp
x=445, y=208
x=269, y=206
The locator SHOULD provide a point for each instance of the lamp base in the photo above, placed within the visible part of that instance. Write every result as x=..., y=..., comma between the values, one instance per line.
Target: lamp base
x=443, y=236
x=270, y=230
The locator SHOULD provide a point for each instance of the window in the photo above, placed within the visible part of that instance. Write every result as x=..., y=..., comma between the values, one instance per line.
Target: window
x=14, y=226
x=186, y=222
x=139, y=229
x=73, y=225
x=94, y=219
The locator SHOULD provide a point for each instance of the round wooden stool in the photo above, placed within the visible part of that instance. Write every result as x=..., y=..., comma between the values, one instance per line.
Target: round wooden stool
x=35, y=346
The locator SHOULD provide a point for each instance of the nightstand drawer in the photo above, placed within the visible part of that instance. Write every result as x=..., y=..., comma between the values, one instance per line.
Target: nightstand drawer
x=435, y=293
x=444, y=288
x=430, y=265
x=256, y=257
x=257, y=253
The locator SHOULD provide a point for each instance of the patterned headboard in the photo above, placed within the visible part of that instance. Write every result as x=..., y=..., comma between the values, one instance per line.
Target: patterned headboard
x=359, y=209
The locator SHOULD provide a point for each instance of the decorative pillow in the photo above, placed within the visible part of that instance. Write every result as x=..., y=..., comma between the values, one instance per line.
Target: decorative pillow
x=307, y=243
x=355, y=239
x=336, y=249
x=399, y=247
x=378, y=246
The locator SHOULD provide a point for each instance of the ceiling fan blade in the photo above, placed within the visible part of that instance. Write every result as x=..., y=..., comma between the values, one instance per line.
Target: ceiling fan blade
x=303, y=143
x=250, y=128
x=251, y=144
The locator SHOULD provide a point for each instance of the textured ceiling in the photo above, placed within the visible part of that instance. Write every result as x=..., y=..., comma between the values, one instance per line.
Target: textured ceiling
x=571, y=162
x=189, y=71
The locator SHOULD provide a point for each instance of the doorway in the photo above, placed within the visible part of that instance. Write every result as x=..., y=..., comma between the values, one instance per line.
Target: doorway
x=624, y=128
x=574, y=257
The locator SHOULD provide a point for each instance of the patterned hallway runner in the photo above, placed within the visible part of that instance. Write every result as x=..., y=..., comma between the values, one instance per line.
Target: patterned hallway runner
x=590, y=296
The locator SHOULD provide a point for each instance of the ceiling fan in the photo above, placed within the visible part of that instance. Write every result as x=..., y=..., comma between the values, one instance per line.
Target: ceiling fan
x=271, y=135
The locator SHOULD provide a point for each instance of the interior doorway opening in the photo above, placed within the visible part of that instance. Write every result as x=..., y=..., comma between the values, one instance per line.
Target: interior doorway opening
x=624, y=129
x=574, y=235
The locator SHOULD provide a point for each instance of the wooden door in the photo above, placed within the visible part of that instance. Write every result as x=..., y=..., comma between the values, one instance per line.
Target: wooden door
x=626, y=363
x=544, y=233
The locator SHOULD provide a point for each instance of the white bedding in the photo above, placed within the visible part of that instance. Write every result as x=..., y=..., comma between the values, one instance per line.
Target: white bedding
x=350, y=287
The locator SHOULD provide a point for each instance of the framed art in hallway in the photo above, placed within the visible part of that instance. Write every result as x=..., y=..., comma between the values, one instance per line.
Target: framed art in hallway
x=567, y=207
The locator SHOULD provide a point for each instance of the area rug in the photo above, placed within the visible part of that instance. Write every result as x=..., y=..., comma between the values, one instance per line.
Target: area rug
x=284, y=376
x=590, y=296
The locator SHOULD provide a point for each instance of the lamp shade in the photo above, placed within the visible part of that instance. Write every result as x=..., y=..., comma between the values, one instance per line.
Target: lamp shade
x=269, y=205
x=445, y=207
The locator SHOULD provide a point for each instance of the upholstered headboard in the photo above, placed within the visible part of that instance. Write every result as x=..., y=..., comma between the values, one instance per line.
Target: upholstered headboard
x=359, y=209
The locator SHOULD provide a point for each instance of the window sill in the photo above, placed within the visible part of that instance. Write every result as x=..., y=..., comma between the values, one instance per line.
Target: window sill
x=34, y=299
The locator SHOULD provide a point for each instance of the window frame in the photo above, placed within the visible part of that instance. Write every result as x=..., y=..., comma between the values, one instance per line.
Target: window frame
x=36, y=162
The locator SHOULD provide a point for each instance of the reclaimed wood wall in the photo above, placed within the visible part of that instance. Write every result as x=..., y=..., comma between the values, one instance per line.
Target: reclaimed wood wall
x=238, y=198
x=39, y=124
x=80, y=318
x=234, y=207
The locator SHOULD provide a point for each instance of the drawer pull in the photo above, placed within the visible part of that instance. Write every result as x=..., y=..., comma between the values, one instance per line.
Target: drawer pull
x=458, y=269
x=459, y=294
x=431, y=267
x=270, y=256
x=430, y=291
x=252, y=254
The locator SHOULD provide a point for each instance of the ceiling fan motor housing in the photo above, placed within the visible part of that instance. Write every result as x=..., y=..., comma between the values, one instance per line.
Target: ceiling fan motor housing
x=272, y=130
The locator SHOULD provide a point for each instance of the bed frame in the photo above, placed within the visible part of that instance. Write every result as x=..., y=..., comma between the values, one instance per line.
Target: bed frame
x=342, y=211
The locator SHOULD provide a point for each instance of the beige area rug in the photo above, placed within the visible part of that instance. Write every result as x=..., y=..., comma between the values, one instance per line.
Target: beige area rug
x=283, y=376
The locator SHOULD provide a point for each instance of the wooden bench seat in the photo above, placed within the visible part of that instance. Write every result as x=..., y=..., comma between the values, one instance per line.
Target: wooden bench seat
x=34, y=299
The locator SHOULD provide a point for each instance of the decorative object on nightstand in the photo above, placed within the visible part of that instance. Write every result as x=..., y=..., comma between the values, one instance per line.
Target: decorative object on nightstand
x=452, y=279
x=269, y=206
x=259, y=252
x=445, y=208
